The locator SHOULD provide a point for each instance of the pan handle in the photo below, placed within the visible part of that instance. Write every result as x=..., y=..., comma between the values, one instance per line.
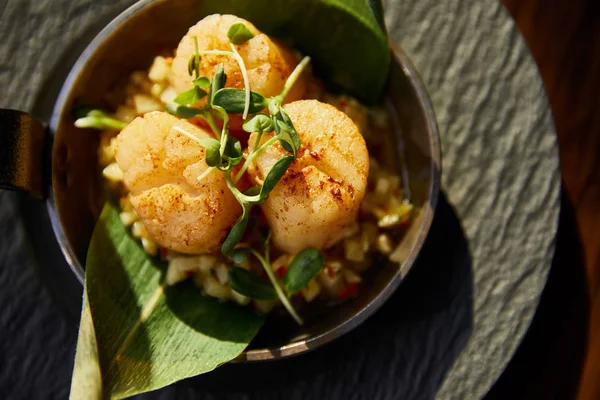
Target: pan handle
x=22, y=140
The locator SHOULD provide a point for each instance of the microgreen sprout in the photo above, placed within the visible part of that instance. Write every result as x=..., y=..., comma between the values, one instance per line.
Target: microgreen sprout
x=303, y=268
x=100, y=120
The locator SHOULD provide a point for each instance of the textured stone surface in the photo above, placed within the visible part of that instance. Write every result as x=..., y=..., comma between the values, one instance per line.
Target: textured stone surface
x=454, y=323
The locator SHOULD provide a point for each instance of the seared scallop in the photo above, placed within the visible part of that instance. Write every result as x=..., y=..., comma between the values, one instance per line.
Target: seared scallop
x=268, y=62
x=318, y=198
x=184, y=205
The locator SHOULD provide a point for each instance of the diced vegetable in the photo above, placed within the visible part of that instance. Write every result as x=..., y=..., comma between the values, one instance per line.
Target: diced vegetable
x=138, y=230
x=239, y=298
x=145, y=104
x=263, y=306
x=350, y=290
x=222, y=272
x=128, y=218
x=353, y=249
x=351, y=276
x=384, y=244
x=159, y=71
x=126, y=113
x=113, y=173
x=206, y=263
x=149, y=246
x=311, y=291
x=214, y=289
x=332, y=285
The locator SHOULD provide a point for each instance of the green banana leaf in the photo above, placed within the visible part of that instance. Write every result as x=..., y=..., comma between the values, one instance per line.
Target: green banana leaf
x=136, y=335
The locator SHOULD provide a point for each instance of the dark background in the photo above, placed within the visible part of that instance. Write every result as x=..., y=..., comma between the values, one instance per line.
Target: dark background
x=560, y=356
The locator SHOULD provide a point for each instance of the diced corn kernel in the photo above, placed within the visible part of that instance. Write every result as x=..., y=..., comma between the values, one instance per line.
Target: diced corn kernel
x=384, y=244
x=332, y=285
x=206, y=262
x=222, y=273
x=311, y=291
x=138, y=230
x=126, y=113
x=128, y=218
x=159, y=70
x=353, y=249
x=149, y=246
x=351, y=276
x=113, y=173
x=156, y=90
x=214, y=289
x=145, y=104
x=263, y=306
x=168, y=95
x=239, y=298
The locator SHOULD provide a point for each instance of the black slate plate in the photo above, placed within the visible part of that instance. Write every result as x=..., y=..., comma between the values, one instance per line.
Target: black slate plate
x=455, y=322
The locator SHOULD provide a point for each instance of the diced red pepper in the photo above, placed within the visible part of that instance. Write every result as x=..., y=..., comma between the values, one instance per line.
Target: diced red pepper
x=163, y=253
x=190, y=273
x=282, y=271
x=348, y=291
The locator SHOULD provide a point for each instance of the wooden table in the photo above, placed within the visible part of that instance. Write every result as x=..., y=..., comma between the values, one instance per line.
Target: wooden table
x=560, y=356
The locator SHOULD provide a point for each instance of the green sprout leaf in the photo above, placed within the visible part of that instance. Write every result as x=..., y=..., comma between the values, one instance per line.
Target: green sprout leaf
x=202, y=81
x=218, y=82
x=239, y=34
x=237, y=232
x=192, y=66
x=275, y=175
x=303, y=268
x=234, y=101
x=250, y=285
x=286, y=132
x=183, y=111
x=190, y=97
x=233, y=151
x=258, y=123
x=100, y=120
x=253, y=191
x=213, y=155
x=239, y=255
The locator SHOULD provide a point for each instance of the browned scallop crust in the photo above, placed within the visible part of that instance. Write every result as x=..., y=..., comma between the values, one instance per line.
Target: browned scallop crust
x=319, y=196
x=161, y=167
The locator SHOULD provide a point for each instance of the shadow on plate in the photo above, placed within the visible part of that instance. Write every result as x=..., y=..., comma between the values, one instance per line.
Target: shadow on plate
x=548, y=363
x=405, y=349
